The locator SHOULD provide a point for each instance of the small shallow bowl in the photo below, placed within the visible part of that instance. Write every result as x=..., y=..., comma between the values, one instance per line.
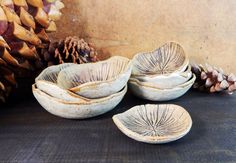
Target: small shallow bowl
x=167, y=80
x=78, y=110
x=155, y=124
x=150, y=91
x=47, y=82
x=167, y=59
x=96, y=80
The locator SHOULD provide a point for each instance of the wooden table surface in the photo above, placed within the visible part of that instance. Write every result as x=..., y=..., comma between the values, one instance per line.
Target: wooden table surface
x=30, y=134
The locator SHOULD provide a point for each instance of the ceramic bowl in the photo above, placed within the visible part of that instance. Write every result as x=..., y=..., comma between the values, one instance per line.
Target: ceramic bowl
x=47, y=82
x=167, y=80
x=155, y=124
x=167, y=59
x=77, y=110
x=96, y=80
x=150, y=91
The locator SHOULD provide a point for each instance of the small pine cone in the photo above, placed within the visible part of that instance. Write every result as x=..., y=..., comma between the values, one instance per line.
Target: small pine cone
x=212, y=79
x=71, y=49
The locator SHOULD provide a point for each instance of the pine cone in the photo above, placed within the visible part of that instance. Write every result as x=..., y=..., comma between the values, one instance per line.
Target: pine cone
x=71, y=49
x=7, y=81
x=212, y=79
x=23, y=28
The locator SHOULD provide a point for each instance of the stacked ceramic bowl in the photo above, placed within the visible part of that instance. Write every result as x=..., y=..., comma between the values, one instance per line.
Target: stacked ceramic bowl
x=85, y=90
x=161, y=75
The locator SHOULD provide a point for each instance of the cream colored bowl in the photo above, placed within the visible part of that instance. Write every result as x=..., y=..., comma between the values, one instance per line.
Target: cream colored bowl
x=166, y=80
x=155, y=124
x=167, y=59
x=47, y=82
x=96, y=80
x=78, y=110
x=151, y=92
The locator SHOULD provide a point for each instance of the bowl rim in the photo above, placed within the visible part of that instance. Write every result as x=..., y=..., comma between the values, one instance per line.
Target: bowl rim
x=92, y=101
x=179, y=69
x=87, y=85
x=145, y=84
x=152, y=139
x=164, y=76
x=67, y=91
x=51, y=67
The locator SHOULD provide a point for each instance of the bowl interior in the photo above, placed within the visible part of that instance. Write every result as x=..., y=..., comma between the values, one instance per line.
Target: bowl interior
x=77, y=101
x=50, y=74
x=153, y=122
x=92, y=72
x=156, y=87
x=167, y=80
x=164, y=60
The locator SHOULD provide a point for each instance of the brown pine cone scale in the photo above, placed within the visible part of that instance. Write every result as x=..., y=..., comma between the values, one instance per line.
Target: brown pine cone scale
x=71, y=49
x=23, y=27
x=212, y=79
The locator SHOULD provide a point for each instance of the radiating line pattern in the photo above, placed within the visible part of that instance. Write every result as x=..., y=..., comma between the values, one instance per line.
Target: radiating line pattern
x=163, y=60
x=50, y=74
x=155, y=120
x=100, y=71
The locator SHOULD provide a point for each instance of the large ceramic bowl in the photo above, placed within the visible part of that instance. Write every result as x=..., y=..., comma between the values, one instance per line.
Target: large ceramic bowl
x=152, y=92
x=96, y=80
x=167, y=80
x=167, y=59
x=78, y=110
x=47, y=82
x=154, y=124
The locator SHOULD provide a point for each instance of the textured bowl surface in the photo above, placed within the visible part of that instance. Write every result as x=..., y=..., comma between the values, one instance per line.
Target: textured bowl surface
x=47, y=82
x=167, y=59
x=167, y=80
x=153, y=93
x=50, y=74
x=57, y=92
x=154, y=124
x=96, y=80
x=78, y=110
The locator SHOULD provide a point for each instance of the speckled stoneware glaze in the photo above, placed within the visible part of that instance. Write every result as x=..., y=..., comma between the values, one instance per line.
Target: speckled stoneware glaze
x=47, y=82
x=150, y=91
x=155, y=124
x=167, y=59
x=167, y=80
x=78, y=110
x=96, y=80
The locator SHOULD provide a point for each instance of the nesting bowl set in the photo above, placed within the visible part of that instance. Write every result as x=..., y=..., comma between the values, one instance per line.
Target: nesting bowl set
x=161, y=75
x=83, y=91
x=79, y=91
